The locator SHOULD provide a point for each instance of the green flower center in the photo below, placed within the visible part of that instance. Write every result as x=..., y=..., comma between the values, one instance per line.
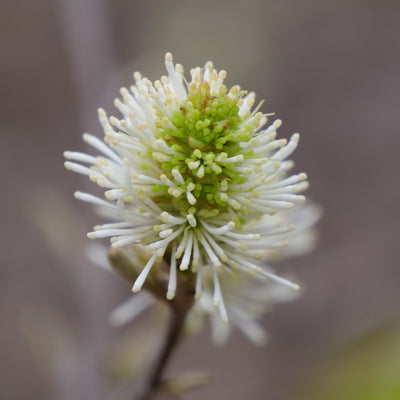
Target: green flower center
x=204, y=137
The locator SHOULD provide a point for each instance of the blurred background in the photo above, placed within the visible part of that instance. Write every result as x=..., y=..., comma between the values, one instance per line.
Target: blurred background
x=328, y=69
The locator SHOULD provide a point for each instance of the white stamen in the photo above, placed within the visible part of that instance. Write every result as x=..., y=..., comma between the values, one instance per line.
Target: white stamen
x=166, y=233
x=143, y=275
x=219, y=231
x=241, y=236
x=281, y=280
x=80, y=169
x=182, y=244
x=214, y=259
x=89, y=198
x=130, y=309
x=191, y=219
x=196, y=253
x=172, y=275
x=235, y=159
x=101, y=146
x=288, y=149
x=223, y=196
x=78, y=156
x=164, y=216
x=146, y=179
x=215, y=246
x=217, y=298
x=110, y=232
x=122, y=241
x=200, y=172
x=191, y=199
x=188, y=251
x=177, y=175
x=199, y=280
x=162, y=244
x=194, y=164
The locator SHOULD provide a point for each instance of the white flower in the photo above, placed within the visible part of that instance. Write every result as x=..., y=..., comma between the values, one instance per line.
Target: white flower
x=190, y=173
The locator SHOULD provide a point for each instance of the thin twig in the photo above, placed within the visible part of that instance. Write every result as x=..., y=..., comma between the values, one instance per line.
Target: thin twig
x=128, y=265
x=174, y=330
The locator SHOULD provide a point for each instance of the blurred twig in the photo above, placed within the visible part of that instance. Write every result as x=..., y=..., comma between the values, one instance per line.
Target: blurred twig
x=88, y=41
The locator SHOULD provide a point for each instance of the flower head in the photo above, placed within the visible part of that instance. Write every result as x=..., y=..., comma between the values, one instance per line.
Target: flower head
x=192, y=175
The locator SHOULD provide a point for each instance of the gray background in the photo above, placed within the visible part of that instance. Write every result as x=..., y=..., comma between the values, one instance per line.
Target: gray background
x=329, y=69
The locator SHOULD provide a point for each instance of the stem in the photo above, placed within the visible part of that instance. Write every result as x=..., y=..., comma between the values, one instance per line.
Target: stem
x=157, y=283
x=174, y=330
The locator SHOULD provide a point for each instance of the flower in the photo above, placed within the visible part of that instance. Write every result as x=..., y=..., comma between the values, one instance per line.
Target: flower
x=191, y=175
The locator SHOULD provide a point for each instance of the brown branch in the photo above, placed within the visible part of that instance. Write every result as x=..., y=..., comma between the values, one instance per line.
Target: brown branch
x=175, y=328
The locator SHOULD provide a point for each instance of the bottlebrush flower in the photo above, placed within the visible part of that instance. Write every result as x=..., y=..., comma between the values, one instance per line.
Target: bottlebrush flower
x=193, y=176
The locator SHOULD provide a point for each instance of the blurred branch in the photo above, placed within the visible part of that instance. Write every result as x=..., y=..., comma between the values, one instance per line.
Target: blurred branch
x=86, y=30
x=88, y=40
